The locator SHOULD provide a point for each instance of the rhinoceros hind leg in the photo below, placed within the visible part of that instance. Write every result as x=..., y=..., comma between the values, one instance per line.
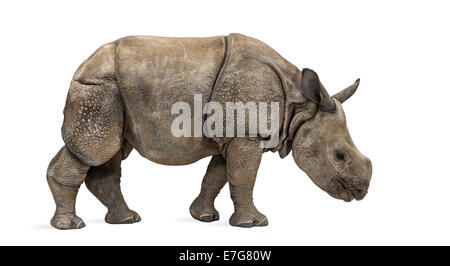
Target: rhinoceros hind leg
x=215, y=178
x=104, y=182
x=65, y=174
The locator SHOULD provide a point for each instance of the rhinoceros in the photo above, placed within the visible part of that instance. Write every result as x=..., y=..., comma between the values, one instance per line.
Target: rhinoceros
x=120, y=99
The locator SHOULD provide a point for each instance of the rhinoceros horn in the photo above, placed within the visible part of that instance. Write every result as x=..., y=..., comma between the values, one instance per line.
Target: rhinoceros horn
x=343, y=95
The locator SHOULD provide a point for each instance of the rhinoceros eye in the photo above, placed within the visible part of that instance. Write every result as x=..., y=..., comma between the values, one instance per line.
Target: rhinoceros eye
x=340, y=155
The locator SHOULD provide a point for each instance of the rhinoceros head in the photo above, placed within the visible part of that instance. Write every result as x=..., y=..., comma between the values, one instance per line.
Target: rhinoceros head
x=323, y=148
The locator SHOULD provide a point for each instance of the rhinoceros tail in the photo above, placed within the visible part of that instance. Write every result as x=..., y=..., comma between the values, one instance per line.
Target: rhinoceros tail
x=93, y=114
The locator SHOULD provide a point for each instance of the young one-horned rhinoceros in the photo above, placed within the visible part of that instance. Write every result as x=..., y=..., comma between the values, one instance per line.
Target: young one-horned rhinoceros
x=122, y=97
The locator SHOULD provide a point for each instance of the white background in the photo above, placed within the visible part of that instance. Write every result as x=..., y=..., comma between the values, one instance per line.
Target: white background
x=398, y=118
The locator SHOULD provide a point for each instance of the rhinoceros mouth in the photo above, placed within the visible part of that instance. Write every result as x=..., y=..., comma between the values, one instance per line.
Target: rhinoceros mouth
x=340, y=189
x=352, y=191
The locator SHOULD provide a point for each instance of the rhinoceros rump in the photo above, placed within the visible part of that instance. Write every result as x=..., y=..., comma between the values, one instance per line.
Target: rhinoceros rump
x=121, y=97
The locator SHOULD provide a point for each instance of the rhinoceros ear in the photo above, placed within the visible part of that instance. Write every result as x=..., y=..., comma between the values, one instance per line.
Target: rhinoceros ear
x=314, y=90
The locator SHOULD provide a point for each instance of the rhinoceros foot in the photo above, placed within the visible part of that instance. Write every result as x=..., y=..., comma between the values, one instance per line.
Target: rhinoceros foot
x=122, y=217
x=203, y=210
x=66, y=221
x=248, y=219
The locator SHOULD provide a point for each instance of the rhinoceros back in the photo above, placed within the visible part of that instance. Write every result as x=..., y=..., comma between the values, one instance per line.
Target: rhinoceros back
x=156, y=72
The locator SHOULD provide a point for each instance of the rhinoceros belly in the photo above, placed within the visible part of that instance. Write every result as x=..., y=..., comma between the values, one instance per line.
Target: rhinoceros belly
x=154, y=73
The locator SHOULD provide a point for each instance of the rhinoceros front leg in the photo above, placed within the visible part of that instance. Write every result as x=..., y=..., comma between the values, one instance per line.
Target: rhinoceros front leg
x=215, y=178
x=243, y=157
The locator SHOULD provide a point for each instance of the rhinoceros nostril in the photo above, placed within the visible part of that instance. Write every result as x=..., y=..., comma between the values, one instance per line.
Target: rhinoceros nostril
x=362, y=185
x=368, y=164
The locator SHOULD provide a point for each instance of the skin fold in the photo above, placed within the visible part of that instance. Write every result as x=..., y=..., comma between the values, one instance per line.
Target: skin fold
x=120, y=99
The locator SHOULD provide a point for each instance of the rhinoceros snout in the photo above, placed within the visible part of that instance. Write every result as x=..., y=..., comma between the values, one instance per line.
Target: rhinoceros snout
x=359, y=186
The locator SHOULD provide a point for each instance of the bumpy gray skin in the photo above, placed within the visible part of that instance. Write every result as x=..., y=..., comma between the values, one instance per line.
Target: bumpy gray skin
x=121, y=97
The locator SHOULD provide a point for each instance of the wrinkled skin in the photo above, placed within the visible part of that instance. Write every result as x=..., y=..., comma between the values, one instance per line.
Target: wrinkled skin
x=324, y=149
x=120, y=99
